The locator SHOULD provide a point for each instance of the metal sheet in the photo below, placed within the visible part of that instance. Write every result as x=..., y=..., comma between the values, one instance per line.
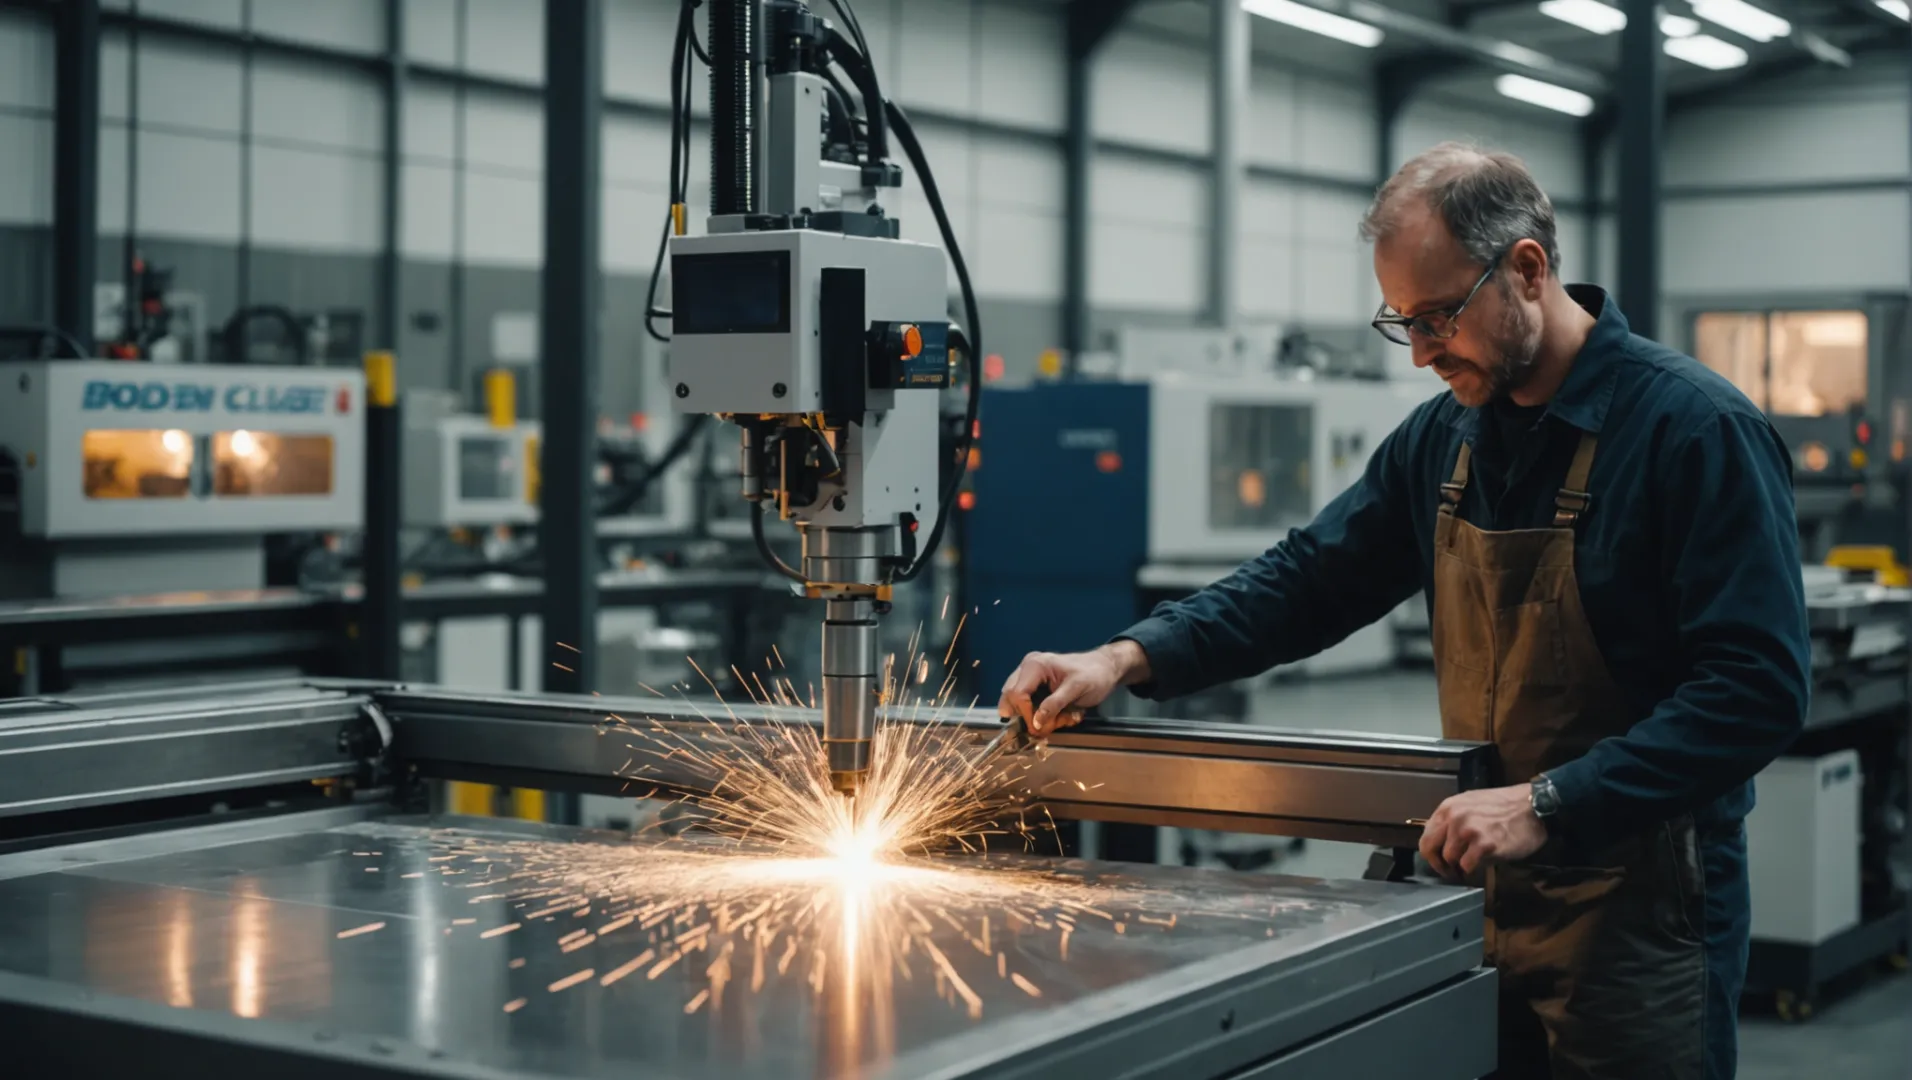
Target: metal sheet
x=381, y=941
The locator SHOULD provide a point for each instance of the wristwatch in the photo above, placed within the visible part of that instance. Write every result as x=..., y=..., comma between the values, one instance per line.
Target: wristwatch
x=1544, y=797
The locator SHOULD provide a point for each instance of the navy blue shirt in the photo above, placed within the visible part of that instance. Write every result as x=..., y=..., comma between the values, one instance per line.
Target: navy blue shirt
x=1687, y=560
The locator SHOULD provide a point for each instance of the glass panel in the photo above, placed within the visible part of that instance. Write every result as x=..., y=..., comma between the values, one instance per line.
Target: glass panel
x=1259, y=457
x=1819, y=362
x=153, y=464
x=1733, y=343
x=485, y=467
x=249, y=463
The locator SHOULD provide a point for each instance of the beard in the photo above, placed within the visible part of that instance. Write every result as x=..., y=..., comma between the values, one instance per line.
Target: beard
x=1516, y=354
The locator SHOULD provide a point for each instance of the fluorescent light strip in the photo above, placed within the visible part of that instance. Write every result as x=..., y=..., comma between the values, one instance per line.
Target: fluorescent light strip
x=1743, y=19
x=1598, y=18
x=1897, y=7
x=1545, y=95
x=1589, y=15
x=1707, y=51
x=1315, y=21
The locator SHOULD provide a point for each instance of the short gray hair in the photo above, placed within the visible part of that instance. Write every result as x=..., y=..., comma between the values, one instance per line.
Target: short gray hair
x=1487, y=198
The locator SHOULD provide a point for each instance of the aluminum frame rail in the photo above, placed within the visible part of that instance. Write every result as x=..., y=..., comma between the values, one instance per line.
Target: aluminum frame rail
x=1344, y=786
x=59, y=754
x=69, y=753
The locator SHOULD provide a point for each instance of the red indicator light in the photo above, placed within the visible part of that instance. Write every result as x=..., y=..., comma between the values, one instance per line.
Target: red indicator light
x=992, y=367
x=966, y=500
x=1108, y=461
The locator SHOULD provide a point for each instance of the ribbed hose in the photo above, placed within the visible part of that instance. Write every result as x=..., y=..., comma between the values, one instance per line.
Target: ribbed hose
x=732, y=106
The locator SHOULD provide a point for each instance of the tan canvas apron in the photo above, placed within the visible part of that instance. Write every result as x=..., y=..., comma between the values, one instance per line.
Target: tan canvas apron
x=1600, y=954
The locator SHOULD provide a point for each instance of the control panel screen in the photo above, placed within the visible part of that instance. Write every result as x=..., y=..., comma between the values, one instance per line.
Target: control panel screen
x=485, y=468
x=739, y=292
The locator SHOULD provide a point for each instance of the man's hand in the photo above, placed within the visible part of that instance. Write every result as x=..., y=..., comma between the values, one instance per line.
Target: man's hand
x=1476, y=829
x=1076, y=681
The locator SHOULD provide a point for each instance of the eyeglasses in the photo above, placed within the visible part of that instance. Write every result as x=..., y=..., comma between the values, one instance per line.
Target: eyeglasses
x=1439, y=324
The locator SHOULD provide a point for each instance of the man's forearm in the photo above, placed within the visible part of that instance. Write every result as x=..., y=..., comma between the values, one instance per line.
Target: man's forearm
x=1130, y=659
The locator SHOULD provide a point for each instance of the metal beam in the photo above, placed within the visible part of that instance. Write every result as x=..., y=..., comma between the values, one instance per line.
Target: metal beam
x=1228, y=102
x=1396, y=81
x=1485, y=51
x=1090, y=22
x=569, y=326
x=391, y=303
x=1642, y=104
x=76, y=179
x=1780, y=68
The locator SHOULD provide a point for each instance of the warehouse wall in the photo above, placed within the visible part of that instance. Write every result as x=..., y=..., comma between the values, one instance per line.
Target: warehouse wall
x=1797, y=187
x=256, y=177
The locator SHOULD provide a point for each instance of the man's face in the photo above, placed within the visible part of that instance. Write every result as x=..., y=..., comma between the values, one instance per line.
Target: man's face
x=1423, y=269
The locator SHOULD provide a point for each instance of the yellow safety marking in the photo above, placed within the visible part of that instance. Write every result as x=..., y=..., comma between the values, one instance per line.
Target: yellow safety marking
x=501, y=397
x=381, y=379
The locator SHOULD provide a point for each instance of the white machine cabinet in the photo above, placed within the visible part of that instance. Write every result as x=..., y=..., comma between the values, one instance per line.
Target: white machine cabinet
x=1802, y=842
x=108, y=448
x=120, y=477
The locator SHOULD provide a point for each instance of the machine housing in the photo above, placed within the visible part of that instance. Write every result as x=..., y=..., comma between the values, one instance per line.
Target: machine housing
x=143, y=478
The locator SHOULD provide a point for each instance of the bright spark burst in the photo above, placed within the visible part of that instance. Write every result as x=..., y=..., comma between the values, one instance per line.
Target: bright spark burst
x=852, y=897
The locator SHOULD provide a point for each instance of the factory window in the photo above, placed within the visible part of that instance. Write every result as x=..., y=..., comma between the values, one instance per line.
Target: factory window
x=1789, y=363
x=486, y=468
x=1259, y=457
x=146, y=464
x=1733, y=343
x=1818, y=362
x=253, y=463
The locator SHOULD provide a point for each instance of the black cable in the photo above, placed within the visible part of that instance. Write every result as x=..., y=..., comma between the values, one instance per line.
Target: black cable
x=862, y=72
x=906, y=136
x=626, y=501
x=33, y=332
x=763, y=545
x=848, y=16
x=681, y=74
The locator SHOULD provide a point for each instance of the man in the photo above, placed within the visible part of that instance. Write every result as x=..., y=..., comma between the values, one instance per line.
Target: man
x=1604, y=531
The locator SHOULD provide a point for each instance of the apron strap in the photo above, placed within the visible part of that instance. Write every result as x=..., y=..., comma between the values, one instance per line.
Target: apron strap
x=1452, y=490
x=1573, y=499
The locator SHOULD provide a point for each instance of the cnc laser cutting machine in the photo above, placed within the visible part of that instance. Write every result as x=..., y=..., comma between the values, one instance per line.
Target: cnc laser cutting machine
x=248, y=880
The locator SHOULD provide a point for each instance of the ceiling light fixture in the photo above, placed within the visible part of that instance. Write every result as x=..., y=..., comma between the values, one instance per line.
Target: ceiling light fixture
x=1675, y=26
x=1546, y=95
x=1589, y=15
x=1743, y=18
x=1315, y=21
x=1897, y=7
x=1707, y=51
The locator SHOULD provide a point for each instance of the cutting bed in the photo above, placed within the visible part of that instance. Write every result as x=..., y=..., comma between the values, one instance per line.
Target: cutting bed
x=359, y=939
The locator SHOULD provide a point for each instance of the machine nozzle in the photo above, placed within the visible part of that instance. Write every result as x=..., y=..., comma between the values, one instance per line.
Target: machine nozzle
x=849, y=691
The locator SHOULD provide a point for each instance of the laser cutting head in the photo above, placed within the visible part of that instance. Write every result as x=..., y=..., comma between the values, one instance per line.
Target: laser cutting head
x=803, y=317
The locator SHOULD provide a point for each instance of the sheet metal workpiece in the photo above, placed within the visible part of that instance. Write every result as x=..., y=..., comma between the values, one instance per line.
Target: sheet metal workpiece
x=342, y=939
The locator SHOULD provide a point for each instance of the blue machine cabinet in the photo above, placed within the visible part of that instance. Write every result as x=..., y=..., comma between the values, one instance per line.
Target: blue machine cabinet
x=1059, y=525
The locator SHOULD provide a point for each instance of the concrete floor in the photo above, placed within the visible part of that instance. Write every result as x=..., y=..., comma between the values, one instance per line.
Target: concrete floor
x=1863, y=1035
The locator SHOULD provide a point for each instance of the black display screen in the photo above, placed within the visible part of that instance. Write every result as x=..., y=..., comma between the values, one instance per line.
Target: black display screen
x=742, y=292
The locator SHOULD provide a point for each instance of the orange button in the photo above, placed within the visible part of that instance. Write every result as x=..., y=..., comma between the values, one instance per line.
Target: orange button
x=912, y=342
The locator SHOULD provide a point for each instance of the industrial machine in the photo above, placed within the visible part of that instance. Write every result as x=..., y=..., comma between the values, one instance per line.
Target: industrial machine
x=1831, y=374
x=1178, y=479
x=1841, y=795
x=322, y=918
x=123, y=478
x=803, y=318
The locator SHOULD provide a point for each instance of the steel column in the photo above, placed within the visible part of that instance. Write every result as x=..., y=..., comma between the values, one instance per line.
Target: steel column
x=381, y=615
x=573, y=283
x=1228, y=102
x=76, y=134
x=1078, y=158
x=1595, y=130
x=391, y=303
x=1642, y=106
x=1089, y=22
